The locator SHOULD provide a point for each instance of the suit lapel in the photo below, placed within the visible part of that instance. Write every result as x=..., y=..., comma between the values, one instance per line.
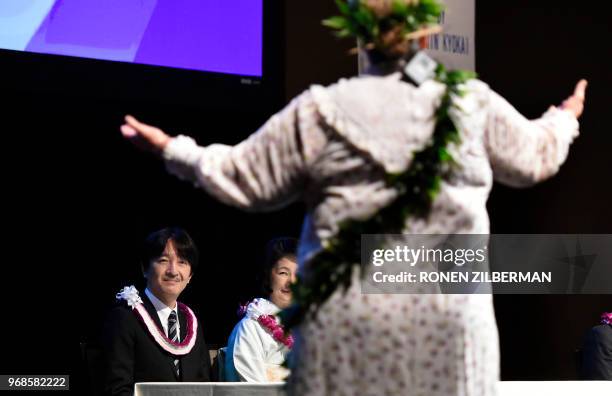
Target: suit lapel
x=152, y=312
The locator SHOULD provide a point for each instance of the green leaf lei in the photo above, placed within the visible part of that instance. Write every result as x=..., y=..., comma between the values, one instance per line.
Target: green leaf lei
x=417, y=187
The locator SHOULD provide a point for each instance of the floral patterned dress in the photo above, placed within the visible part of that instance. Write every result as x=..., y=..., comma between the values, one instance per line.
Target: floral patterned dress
x=331, y=147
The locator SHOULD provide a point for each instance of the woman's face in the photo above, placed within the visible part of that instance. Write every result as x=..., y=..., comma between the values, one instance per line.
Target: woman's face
x=281, y=278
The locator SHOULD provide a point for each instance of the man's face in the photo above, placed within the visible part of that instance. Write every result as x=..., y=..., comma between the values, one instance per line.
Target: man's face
x=168, y=275
x=281, y=278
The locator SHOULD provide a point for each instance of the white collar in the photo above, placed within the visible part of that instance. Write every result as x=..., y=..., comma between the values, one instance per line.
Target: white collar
x=261, y=306
x=163, y=311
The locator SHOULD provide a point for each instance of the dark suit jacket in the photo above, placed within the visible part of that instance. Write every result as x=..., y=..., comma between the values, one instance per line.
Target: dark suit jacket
x=132, y=355
x=597, y=354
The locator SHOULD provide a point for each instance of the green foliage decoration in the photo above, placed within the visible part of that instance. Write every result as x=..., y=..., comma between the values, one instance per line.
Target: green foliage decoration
x=360, y=21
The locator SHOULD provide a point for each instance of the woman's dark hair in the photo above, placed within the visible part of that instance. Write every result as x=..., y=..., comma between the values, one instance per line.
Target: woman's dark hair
x=276, y=249
x=155, y=244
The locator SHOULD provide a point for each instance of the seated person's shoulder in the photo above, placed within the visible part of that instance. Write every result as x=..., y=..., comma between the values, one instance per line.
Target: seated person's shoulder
x=248, y=326
x=600, y=331
x=120, y=315
x=120, y=310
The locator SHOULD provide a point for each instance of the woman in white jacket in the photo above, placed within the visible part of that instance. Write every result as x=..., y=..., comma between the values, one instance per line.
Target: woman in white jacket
x=255, y=351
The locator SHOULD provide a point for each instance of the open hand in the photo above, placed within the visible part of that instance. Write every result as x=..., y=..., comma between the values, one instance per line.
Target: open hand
x=143, y=136
x=575, y=103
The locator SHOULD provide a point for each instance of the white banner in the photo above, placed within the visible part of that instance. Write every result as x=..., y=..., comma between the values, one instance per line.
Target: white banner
x=455, y=47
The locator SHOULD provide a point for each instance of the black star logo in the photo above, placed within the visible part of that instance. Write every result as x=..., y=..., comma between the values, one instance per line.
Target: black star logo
x=579, y=267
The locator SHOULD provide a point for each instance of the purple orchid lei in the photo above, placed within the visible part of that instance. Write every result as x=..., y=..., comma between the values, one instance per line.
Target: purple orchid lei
x=278, y=331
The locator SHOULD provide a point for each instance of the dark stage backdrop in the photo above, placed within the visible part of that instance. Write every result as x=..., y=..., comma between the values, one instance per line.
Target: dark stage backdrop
x=78, y=200
x=533, y=53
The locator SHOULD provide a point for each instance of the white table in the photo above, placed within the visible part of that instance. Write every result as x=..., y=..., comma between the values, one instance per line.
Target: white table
x=208, y=389
x=505, y=388
x=554, y=388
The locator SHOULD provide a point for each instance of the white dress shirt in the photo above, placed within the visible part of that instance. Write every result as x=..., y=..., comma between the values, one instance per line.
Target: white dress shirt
x=163, y=312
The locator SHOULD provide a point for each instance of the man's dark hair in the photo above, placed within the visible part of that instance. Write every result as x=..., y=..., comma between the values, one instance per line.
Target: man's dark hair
x=276, y=249
x=155, y=244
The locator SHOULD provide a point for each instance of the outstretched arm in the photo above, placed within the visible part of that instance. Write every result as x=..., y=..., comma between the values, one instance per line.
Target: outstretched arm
x=575, y=103
x=145, y=137
x=265, y=171
x=524, y=152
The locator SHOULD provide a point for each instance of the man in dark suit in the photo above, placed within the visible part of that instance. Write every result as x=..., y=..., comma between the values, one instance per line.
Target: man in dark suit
x=152, y=337
x=597, y=353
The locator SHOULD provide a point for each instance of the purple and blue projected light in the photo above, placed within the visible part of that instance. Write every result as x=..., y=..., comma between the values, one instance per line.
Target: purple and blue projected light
x=209, y=35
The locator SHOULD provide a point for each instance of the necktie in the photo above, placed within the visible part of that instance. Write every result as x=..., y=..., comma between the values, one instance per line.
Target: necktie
x=173, y=336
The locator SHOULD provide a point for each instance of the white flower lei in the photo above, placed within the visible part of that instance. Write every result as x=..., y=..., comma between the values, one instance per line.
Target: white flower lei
x=133, y=300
